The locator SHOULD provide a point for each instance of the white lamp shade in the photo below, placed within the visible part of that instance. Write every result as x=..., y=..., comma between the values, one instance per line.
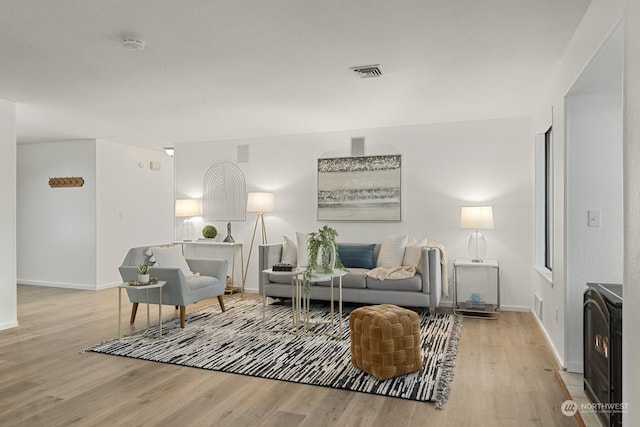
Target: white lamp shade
x=476, y=217
x=187, y=207
x=260, y=202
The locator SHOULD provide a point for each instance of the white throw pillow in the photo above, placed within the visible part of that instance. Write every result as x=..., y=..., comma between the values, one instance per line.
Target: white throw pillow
x=170, y=257
x=302, y=240
x=289, y=251
x=392, y=251
x=413, y=252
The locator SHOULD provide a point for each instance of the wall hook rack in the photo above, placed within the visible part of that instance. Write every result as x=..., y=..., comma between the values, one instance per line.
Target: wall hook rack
x=68, y=181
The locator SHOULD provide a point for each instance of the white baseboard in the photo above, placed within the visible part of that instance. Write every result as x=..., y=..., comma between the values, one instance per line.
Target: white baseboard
x=515, y=308
x=556, y=355
x=449, y=304
x=8, y=325
x=57, y=285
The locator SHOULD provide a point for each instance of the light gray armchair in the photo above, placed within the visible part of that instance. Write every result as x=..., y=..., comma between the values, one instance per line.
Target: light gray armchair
x=180, y=290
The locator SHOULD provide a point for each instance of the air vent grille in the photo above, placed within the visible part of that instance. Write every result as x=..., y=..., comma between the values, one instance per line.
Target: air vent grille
x=367, y=71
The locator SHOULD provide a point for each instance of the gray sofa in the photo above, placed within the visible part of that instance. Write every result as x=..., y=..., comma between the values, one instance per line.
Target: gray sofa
x=423, y=290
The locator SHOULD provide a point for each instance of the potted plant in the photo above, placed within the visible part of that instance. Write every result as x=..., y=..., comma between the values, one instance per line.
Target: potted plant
x=209, y=232
x=143, y=273
x=321, y=247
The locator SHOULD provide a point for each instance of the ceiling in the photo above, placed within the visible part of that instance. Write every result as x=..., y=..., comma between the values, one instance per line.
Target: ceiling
x=214, y=70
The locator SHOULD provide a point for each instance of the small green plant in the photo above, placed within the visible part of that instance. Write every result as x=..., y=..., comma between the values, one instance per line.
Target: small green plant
x=321, y=242
x=209, y=231
x=143, y=268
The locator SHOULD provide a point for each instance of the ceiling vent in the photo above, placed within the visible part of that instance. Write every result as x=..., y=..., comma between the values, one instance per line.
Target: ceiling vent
x=367, y=71
x=133, y=44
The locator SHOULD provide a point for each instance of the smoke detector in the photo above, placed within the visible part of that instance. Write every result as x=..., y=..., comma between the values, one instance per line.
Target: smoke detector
x=367, y=71
x=133, y=44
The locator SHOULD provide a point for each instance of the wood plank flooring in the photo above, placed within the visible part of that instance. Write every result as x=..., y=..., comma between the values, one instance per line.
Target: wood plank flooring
x=504, y=376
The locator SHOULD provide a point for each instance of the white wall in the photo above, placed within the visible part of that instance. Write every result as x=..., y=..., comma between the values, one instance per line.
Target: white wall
x=134, y=204
x=8, y=295
x=594, y=182
x=599, y=21
x=56, y=226
x=445, y=166
x=77, y=237
x=631, y=290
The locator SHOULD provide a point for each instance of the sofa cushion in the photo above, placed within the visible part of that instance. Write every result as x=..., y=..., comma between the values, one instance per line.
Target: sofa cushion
x=413, y=252
x=281, y=278
x=392, y=251
x=289, y=251
x=355, y=279
x=302, y=240
x=411, y=284
x=354, y=255
x=198, y=282
x=170, y=257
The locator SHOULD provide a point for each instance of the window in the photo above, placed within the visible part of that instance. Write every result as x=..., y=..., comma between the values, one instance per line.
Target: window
x=544, y=201
x=548, y=199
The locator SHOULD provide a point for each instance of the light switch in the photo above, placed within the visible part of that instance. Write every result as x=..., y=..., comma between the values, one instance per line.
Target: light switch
x=594, y=218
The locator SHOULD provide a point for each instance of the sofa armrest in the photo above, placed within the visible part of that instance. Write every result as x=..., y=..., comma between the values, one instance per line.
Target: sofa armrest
x=268, y=256
x=431, y=275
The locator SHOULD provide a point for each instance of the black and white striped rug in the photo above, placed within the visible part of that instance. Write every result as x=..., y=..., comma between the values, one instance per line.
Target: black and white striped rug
x=235, y=342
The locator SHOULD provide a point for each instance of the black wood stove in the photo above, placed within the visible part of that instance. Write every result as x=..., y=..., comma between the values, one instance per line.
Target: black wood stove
x=602, y=328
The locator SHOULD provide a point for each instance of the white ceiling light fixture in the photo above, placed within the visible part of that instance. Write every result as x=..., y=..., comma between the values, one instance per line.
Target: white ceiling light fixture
x=133, y=44
x=169, y=151
x=367, y=71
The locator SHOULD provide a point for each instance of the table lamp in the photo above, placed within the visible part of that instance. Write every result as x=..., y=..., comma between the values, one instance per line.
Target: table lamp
x=477, y=218
x=188, y=208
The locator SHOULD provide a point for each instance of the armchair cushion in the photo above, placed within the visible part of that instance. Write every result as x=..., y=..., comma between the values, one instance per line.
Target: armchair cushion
x=169, y=257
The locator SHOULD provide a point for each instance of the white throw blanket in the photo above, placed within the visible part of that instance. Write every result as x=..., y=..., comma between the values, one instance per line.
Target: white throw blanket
x=399, y=272
x=406, y=272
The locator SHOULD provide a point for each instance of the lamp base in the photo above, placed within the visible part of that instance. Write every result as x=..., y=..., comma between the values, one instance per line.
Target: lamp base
x=477, y=246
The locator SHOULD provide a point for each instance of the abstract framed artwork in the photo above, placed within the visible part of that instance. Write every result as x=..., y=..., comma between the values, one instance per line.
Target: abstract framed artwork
x=364, y=188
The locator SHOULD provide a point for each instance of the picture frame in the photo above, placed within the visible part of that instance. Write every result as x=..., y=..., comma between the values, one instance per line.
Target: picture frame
x=360, y=188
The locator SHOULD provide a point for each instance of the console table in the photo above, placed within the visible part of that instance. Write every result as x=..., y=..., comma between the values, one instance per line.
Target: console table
x=232, y=252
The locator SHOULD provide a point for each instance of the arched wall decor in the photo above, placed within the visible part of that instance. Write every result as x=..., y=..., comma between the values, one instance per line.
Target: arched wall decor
x=224, y=195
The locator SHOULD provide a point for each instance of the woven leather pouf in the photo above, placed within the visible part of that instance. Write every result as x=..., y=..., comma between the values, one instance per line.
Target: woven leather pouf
x=385, y=340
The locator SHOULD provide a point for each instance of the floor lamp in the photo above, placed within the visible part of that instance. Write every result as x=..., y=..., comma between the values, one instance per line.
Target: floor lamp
x=260, y=203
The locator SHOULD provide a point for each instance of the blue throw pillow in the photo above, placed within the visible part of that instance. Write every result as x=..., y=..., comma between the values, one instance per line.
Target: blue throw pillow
x=356, y=255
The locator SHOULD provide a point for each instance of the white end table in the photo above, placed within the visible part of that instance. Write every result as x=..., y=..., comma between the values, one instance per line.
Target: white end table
x=487, y=308
x=158, y=285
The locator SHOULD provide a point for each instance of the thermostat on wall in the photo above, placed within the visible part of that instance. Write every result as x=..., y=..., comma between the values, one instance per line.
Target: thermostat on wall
x=155, y=166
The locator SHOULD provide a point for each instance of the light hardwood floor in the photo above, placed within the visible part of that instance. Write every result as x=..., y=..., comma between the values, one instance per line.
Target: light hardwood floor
x=504, y=376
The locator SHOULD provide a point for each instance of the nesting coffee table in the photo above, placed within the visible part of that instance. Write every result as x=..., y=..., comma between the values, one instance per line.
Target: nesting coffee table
x=300, y=304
